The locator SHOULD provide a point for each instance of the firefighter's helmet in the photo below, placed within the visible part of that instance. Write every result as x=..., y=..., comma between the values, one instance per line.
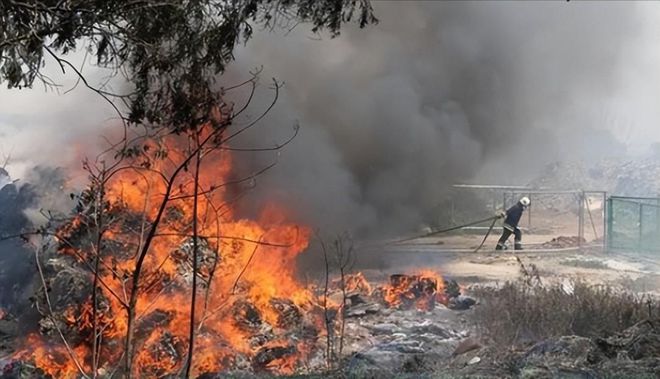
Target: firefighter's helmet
x=525, y=201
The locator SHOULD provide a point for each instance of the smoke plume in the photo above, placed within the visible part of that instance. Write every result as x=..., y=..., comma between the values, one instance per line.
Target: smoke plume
x=437, y=93
x=391, y=116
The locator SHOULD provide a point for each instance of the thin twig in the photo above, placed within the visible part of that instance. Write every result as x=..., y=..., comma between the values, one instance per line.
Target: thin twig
x=52, y=316
x=256, y=246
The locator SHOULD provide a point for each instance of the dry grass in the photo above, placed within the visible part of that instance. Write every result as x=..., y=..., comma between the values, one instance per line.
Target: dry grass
x=526, y=311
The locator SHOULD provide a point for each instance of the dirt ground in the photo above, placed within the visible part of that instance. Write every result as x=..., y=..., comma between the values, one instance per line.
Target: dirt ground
x=454, y=256
x=636, y=273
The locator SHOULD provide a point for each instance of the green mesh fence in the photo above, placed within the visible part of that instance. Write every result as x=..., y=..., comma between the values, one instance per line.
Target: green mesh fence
x=633, y=223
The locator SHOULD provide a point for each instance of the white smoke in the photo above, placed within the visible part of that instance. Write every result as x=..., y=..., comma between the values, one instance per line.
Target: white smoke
x=55, y=126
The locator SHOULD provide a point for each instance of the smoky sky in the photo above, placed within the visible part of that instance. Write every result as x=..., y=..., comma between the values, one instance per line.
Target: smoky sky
x=436, y=93
x=392, y=115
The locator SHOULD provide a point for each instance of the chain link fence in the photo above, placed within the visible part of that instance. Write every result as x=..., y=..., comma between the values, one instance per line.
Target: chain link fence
x=633, y=223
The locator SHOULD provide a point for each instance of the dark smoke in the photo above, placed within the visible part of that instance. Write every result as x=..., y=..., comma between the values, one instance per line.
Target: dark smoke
x=20, y=203
x=16, y=267
x=437, y=93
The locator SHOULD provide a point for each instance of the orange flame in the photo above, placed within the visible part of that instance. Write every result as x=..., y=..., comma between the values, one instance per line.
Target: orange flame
x=240, y=261
x=420, y=291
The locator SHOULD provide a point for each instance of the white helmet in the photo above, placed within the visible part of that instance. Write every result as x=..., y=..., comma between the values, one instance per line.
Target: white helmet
x=525, y=201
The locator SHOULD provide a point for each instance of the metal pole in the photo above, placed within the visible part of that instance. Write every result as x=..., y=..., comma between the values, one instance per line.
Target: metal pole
x=580, y=219
x=529, y=212
x=591, y=217
x=451, y=212
x=609, y=223
x=657, y=225
x=491, y=200
x=641, y=210
x=605, y=206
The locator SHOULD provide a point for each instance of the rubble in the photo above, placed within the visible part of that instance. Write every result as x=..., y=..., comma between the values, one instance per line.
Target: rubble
x=22, y=370
x=266, y=355
x=162, y=355
x=461, y=302
x=421, y=291
x=288, y=313
x=466, y=345
x=474, y=361
x=207, y=260
x=393, y=342
x=362, y=309
x=635, y=352
x=246, y=316
x=637, y=342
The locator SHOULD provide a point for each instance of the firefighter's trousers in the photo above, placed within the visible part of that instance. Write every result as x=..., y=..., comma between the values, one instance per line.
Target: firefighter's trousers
x=507, y=230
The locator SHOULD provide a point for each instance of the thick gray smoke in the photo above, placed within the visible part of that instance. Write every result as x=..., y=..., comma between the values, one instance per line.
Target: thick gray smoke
x=438, y=92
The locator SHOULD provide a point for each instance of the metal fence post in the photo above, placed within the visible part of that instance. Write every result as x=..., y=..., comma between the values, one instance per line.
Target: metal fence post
x=529, y=212
x=503, y=200
x=580, y=219
x=657, y=226
x=606, y=234
x=641, y=211
x=609, y=222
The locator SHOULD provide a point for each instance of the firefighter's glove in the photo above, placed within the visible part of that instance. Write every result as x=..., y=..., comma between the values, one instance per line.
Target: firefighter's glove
x=501, y=214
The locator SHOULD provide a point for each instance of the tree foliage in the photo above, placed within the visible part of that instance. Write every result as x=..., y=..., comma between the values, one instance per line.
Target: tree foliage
x=169, y=50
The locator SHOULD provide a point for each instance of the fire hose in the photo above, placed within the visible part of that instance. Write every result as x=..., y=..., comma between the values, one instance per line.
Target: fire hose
x=490, y=229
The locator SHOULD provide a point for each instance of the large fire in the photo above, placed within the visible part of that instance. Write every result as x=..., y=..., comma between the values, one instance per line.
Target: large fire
x=246, y=277
x=250, y=310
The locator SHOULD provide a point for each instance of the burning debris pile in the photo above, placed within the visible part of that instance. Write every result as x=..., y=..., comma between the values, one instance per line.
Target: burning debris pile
x=242, y=335
x=244, y=330
x=252, y=314
x=422, y=292
x=391, y=327
x=145, y=265
x=114, y=291
x=246, y=322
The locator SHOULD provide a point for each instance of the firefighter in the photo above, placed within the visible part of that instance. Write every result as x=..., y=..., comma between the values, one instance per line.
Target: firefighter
x=510, y=226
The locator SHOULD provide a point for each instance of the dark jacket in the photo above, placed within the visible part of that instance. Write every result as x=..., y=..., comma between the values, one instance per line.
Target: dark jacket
x=514, y=214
